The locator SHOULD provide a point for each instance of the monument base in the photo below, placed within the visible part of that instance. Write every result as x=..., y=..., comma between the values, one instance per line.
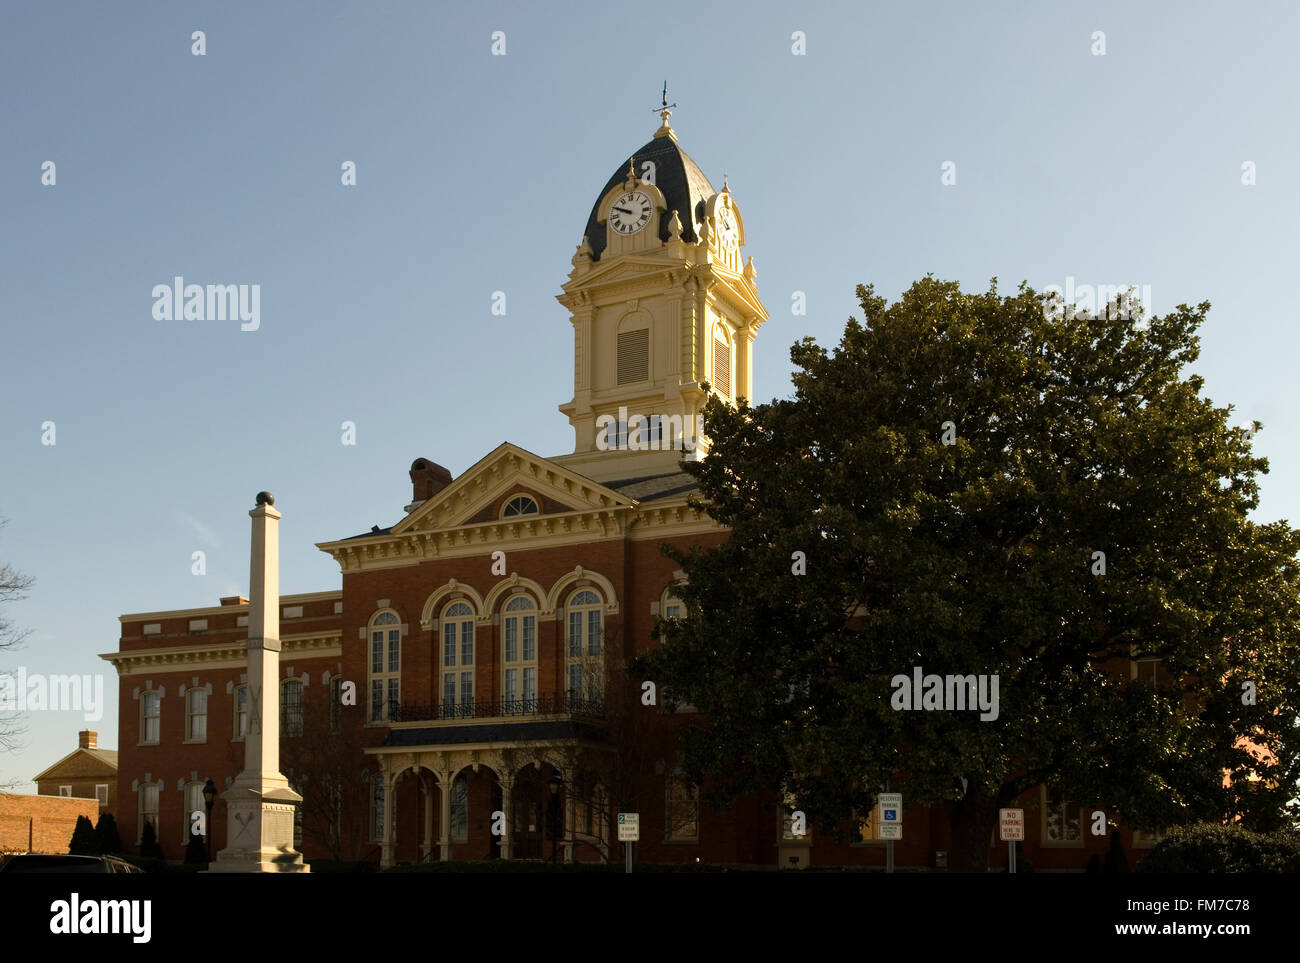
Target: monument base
x=259, y=832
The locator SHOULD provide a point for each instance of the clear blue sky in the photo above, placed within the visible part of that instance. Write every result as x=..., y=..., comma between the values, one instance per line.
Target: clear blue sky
x=475, y=173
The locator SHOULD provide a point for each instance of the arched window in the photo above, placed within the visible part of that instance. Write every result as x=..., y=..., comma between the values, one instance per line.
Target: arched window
x=519, y=505
x=519, y=677
x=385, y=666
x=586, y=677
x=457, y=661
x=291, y=707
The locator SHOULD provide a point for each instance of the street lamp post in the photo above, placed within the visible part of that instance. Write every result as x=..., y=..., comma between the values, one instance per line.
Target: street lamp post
x=556, y=783
x=209, y=797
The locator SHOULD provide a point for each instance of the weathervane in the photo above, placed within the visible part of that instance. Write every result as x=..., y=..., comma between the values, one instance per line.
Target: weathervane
x=664, y=107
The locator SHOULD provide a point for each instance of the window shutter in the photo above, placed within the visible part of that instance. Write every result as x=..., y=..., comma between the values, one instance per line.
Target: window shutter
x=722, y=367
x=633, y=356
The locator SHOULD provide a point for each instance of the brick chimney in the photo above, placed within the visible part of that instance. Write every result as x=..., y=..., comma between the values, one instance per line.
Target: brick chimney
x=427, y=479
x=87, y=739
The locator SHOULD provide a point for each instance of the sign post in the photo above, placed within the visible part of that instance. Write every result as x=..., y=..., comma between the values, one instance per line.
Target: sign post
x=629, y=831
x=890, y=823
x=1011, y=827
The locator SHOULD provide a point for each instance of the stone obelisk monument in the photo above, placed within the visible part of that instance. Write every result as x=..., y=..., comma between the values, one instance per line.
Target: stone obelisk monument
x=259, y=803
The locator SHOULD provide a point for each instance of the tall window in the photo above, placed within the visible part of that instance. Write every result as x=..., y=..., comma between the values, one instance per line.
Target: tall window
x=520, y=662
x=672, y=607
x=1061, y=820
x=241, y=711
x=682, y=809
x=148, y=809
x=721, y=364
x=585, y=662
x=385, y=666
x=457, y=660
x=193, y=804
x=460, y=809
x=101, y=794
x=633, y=356
x=336, y=703
x=149, y=717
x=196, y=715
x=291, y=707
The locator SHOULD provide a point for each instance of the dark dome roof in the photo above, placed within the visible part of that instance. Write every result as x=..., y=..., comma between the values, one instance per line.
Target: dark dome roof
x=683, y=184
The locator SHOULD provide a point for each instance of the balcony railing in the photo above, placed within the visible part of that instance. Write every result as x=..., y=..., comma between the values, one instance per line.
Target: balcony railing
x=546, y=705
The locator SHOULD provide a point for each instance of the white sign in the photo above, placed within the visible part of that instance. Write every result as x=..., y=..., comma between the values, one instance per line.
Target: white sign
x=629, y=827
x=890, y=831
x=1011, y=824
x=891, y=809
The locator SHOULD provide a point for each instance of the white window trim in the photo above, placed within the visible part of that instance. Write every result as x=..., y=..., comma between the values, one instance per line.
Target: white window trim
x=386, y=675
x=98, y=787
x=458, y=668
x=144, y=699
x=672, y=776
x=520, y=663
x=592, y=666
x=1043, y=839
x=189, y=713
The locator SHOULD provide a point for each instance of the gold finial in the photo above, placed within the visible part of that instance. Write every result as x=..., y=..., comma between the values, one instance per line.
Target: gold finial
x=724, y=182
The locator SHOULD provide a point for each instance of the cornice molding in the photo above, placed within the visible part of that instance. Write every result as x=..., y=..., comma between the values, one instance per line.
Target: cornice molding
x=221, y=655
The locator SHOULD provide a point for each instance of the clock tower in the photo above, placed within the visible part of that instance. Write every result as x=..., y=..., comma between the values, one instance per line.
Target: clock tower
x=661, y=304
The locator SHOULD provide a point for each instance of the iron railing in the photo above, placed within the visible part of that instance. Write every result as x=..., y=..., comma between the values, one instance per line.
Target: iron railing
x=542, y=706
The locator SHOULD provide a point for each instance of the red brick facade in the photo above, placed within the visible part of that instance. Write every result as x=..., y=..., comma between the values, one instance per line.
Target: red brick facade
x=41, y=824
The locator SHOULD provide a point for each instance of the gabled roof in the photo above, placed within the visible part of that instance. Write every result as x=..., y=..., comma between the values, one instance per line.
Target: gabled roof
x=105, y=757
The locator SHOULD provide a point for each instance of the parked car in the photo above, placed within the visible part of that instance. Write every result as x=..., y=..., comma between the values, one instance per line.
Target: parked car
x=65, y=863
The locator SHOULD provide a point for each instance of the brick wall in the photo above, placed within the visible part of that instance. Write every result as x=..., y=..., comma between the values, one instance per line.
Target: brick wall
x=41, y=824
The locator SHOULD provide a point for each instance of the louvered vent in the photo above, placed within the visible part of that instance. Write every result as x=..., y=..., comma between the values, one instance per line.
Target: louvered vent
x=722, y=367
x=634, y=356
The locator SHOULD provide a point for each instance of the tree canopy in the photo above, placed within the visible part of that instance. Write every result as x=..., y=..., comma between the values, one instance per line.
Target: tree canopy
x=974, y=484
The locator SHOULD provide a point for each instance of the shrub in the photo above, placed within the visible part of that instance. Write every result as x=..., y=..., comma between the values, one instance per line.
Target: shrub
x=110, y=842
x=84, y=841
x=1212, y=848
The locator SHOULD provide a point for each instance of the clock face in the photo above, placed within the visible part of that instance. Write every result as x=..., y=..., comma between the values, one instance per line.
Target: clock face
x=630, y=213
x=728, y=233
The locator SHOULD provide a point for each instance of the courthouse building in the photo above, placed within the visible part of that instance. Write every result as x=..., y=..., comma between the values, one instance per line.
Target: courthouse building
x=470, y=663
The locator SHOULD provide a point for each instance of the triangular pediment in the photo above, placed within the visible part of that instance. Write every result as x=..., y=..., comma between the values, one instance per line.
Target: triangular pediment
x=627, y=268
x=77, y=764
x=505, y=469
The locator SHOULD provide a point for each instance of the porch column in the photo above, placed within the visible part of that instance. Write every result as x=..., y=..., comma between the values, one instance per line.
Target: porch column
x=507, y=843
x=390, y=787
x=566, y=799
x=445, y=778
x=427, y=846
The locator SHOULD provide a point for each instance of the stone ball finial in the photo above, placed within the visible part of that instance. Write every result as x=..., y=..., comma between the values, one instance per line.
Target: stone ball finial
x=265, y=498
